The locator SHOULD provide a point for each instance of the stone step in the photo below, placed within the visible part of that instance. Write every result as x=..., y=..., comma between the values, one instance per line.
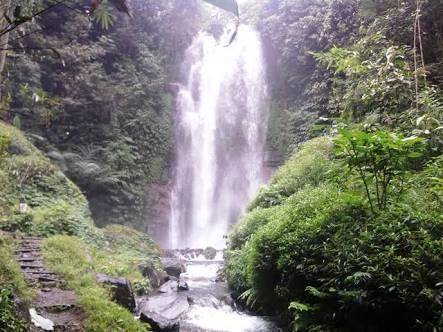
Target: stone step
x=56, y=308
x=26, y=259
x=38, y=278
x=47, y=285
x=31, y=266
x=57, y=298
x=24, y=250
x=39, y=272
x=29, y=249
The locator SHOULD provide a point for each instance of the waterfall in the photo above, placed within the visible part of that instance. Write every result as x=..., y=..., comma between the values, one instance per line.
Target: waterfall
x=220, y=137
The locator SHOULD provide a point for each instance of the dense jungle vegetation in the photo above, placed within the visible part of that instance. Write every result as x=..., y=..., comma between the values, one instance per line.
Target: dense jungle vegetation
x=103, y=115
x=348, y=234
x=86, y=112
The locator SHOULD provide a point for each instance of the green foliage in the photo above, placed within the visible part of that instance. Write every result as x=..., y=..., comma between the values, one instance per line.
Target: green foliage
x=432, y=178
x=115, y=104
x=301, y=217
x=17, y=222
x=54, y=205
x=4, y=145
x=249, y=224
x=10, y=273
x=373, y=77
x=249, y=297
x=76, y=263
x=236, y=265
x=61, y=217
x=323, y=261
x=8, y=319
x=308, y=166
x=381, y=159
x=299, y=87
x=104, y=17
x=11, y=283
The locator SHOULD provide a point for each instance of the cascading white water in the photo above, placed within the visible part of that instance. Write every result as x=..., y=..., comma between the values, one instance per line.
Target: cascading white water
x=220, y=138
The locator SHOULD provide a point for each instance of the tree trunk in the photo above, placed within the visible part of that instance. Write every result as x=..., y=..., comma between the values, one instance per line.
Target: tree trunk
x=3, y=44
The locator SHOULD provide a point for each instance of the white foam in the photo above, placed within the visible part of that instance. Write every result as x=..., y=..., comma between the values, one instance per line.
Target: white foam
x=40, y=321
x=224, y=319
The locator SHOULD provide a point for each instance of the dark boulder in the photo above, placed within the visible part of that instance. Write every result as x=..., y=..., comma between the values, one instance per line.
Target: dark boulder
x=21, y=308
x=156, y=277
x=163, y=311
x=173, y=266
x=159, y=323
x=121, y=290
x=182, y=286
x=209, y=253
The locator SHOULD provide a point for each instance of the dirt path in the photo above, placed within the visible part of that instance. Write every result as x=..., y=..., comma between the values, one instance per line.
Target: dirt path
x=53, y=303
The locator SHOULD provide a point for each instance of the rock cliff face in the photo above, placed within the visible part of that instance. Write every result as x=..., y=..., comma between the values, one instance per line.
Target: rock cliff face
x=157, y=210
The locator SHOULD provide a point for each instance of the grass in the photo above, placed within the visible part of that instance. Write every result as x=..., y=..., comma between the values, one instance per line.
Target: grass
x=77, y=263
x=11, y=282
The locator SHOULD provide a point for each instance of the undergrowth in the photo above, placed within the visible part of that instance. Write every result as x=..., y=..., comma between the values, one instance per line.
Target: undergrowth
x=320, y=258
x=78, y=263
x=12, y=283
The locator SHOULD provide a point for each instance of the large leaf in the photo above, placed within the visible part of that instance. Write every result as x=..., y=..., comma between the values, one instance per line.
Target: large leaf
x=120, y=5
x=228, y=5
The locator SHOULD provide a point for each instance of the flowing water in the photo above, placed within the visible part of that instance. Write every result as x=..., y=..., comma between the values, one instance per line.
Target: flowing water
x=213, y=310
x=220, y=138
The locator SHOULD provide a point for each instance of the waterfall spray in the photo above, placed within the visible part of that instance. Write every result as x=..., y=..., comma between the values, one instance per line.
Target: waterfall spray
x=220, y=138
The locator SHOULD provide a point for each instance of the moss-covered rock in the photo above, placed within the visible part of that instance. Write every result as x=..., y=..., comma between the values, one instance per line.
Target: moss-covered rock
x=209, y=253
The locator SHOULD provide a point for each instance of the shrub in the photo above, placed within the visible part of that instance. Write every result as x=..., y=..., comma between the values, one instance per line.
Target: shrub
x=4, y=145
x=61, y=217
x=17, y=222
x=126, y=238
x=380, y=158
x=236, y=268
x=309, y=166
x=337, y=267
x=248, y=225
x=274, y=248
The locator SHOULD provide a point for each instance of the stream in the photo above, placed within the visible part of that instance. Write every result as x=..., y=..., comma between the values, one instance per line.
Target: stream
x=212, y=308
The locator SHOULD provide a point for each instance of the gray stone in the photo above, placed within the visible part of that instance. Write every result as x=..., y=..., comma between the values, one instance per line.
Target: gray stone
x=183, y=286
x=210, y=253
x=121, y=290
x=173, y=266
x=157, y=278
x=169, y=287
x=163, y=311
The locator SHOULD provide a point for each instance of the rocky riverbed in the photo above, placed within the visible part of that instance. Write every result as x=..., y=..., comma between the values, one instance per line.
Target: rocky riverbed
x=197, y=301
